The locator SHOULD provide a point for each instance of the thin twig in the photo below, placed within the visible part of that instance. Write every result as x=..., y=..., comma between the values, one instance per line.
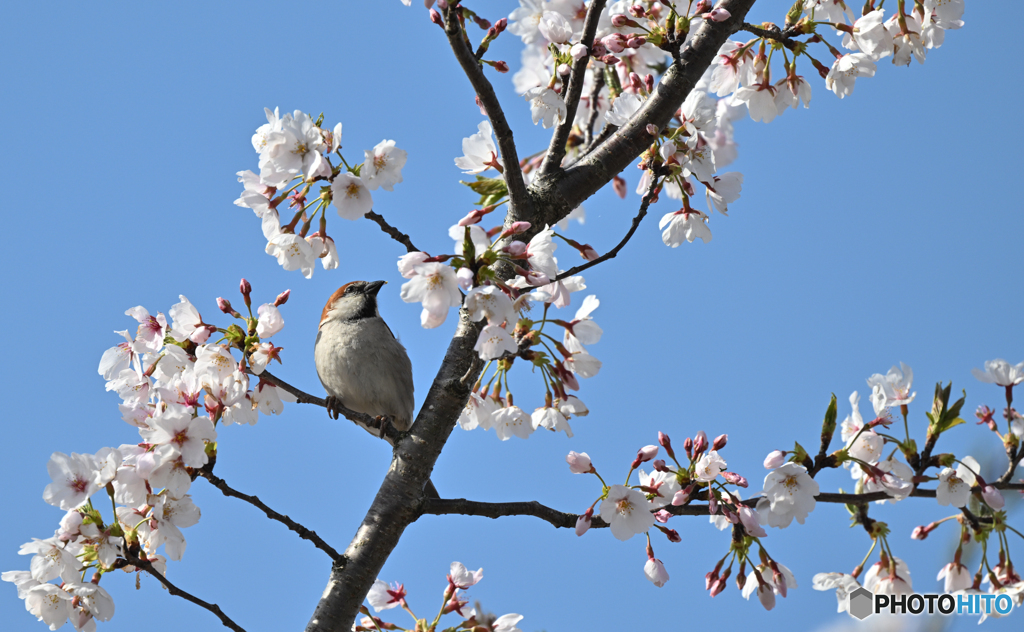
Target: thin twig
x=556, y=149
x=565, y=520
x=648, y=196
x=783, y=37
x=304, y=533
x=147, y=566
x=485, y=92
x=595, y=95
x=395, y=234
x=302, y=397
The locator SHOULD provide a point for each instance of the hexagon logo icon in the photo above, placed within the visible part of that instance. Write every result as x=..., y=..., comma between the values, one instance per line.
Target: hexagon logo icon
x=860, y=604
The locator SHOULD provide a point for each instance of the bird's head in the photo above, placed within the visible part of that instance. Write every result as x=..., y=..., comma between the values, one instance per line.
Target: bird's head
x=352, y=301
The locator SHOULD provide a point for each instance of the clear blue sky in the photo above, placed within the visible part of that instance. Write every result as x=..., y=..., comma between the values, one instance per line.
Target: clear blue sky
x=883, y=228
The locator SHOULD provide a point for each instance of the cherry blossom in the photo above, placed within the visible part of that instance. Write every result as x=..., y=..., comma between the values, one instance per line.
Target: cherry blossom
x=383, y=166
x=579, y=463
x=842, y=583
x=956, y=577
x=684, y=225
x=462, y=578
x=384, y=597
x=954, y=487
x=494, y=342
x=626, y=512
x=350, y=196
x=546, y=106
x=655, y=571
x=1000, y=372
x=709, y=466
x=881, y=581
x=436, y=286
x=512, y=420
x=895, y=387
x=74, y=480
x=479, y=152
x=843, y=75
x=789, y=493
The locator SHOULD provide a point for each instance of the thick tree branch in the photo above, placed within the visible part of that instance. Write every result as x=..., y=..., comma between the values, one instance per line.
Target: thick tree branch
x=304, y=533
x=402, y=492
x=556, y=149
x=773, y=33
x=147, y=566
x=485, y=92
x=595, y=170
x=395, y=234
x=648, y=196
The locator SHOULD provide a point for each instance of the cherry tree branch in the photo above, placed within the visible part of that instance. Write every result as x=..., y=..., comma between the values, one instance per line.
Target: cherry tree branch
x=556, y=149
x=391, y=434
x=147, y=566
x=395, y=234
x=784, y=37
x=595, y=94
x=565, y=520
x=303, y=532
x=593, y=171
x=648, y=196
x=473, y=69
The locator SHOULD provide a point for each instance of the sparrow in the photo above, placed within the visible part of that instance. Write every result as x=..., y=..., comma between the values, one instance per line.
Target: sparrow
x=360, y=362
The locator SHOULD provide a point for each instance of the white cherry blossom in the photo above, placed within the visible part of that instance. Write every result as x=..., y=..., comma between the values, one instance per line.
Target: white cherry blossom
x=478, y=150
x=350, y=196
x=626, y=511
x=383, y=166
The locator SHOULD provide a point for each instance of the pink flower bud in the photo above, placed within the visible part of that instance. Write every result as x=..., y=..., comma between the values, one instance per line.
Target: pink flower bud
x=702, y=6
x=652, y=129
x=635, y=81
x=710, y=578
x=655, y=571
x=619, y=20
x=666, y=442
x=578, y=51
x=682, y=496
x=619, y=186
x=636, y=41
x=615, y=43
x=672, y=535
x=647, y=453
x=441, y=4
x=583, y=522
x=224, y=305
x=637, y=11
x=435, y=17
x=700, y=443
x=735, y=479
x=662, y=516
x=282, y=298
x=992, y=497
x=564, y=69
x=719, y=585
x=500, y=25
x=517, y=227
x=611, y=60
x=473, y=217
x=712, y=503
x=244, y=287
x=688, y=446
x=516, y=249
x=579, y=463
x=720, y=442
x=659, y=466
x=649, y=82
x=919, y=533
x=774, y=459
x=718, y=15
x=500, y=66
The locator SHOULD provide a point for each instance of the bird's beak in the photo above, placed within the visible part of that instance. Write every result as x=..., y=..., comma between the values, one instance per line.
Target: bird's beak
x=373, y=288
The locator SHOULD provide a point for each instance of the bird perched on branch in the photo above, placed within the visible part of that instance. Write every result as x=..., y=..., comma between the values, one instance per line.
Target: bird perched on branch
x=360, y=362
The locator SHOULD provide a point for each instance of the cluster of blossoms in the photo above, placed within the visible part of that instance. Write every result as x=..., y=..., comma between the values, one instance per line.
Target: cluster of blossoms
x=959, y=483
x=176, y=385
x=384, y=596
x=294, y=153
x=629, y=510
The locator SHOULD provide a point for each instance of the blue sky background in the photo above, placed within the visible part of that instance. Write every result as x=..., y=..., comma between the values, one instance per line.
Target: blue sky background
x=883, y=228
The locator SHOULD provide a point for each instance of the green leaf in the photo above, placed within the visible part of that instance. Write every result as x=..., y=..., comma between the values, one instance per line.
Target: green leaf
x=490, y=189
x=828, y=427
